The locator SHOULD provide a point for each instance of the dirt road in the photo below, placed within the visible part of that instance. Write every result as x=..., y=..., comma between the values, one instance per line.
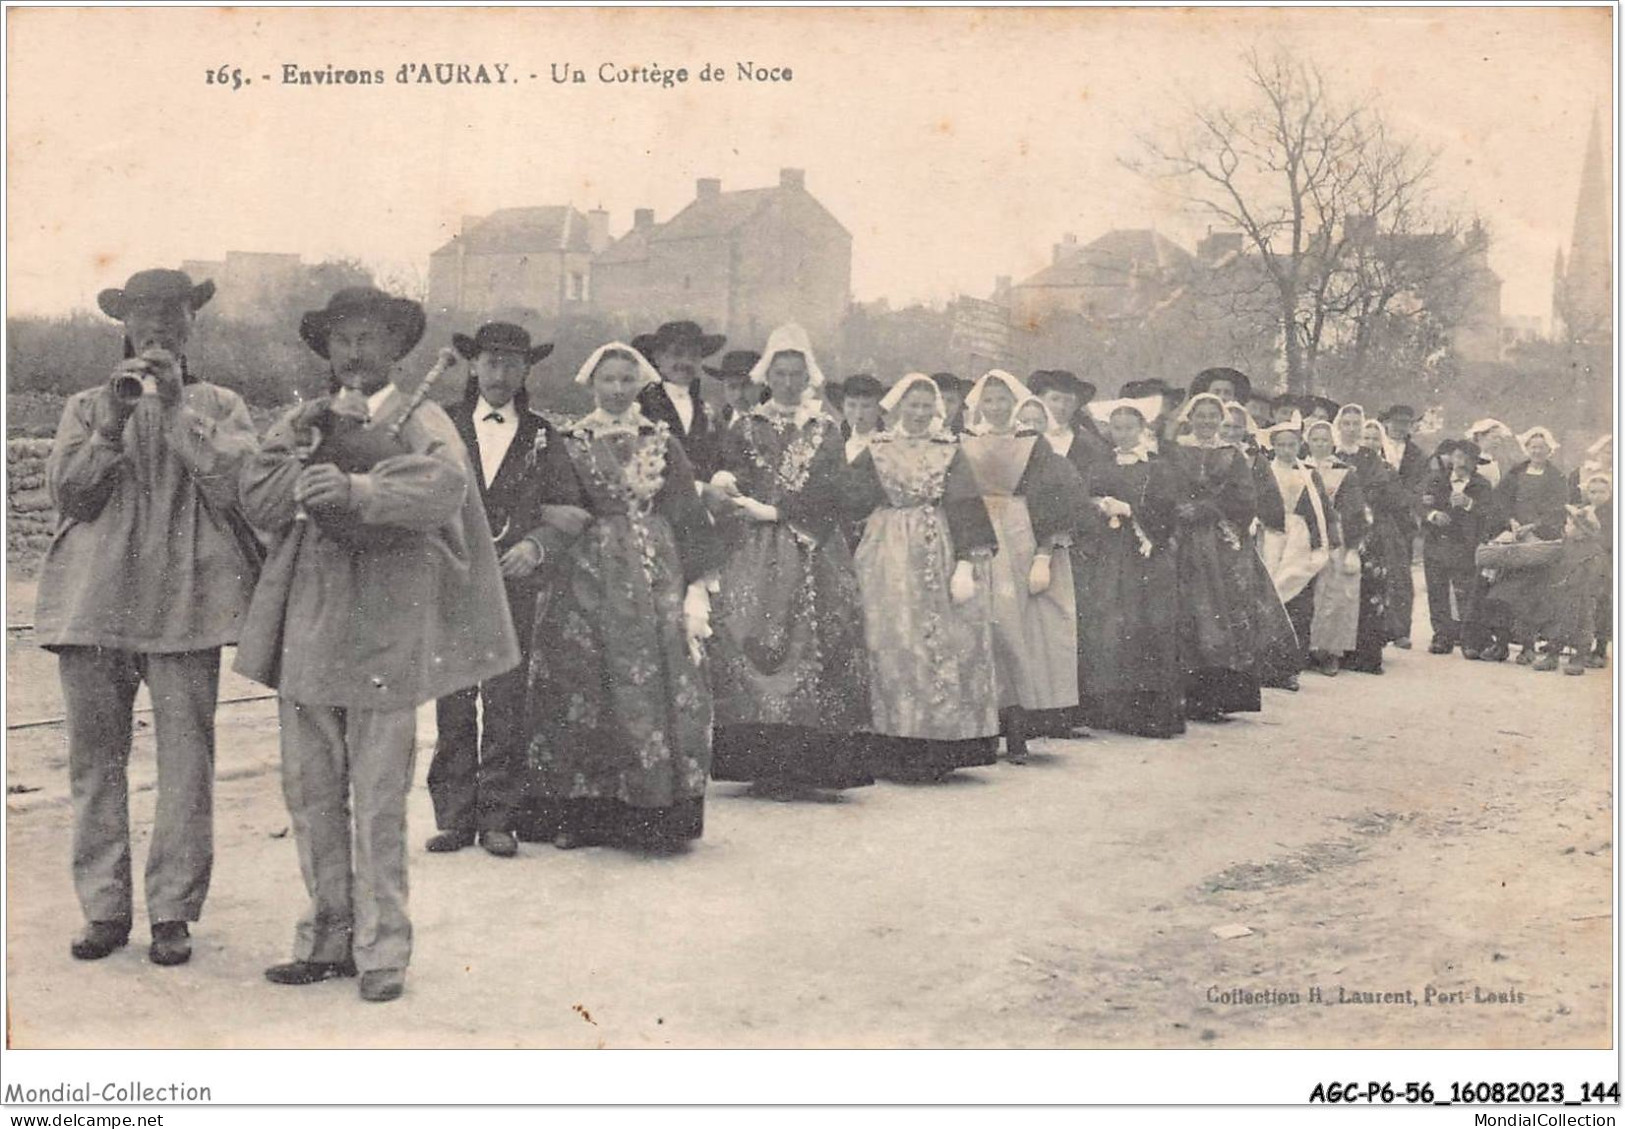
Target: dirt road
x=1447, y=826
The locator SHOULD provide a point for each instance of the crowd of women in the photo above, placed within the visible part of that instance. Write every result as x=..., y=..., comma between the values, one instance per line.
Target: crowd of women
x=848, y=581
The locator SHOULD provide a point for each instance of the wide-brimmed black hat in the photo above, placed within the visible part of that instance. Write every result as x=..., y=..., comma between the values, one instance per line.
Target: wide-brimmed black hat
x=678, y=333
x=502, y=337
x=403, y=316
x=735, y=365
x=155, y=287
x=1151, y=386
x=864, y=385
x=1061, y=380
x=1238, y=380
x=1329, y=406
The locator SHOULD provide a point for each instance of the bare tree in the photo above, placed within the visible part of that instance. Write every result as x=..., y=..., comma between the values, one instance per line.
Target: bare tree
x=1330, y=203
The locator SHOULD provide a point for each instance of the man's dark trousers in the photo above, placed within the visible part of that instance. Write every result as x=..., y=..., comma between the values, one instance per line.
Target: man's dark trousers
x=476, y=778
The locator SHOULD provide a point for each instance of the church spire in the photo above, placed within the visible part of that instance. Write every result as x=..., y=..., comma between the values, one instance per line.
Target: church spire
x=1587, y=285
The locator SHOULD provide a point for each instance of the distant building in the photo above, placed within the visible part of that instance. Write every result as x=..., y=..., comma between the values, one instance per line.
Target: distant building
x=738, y=263
x=1582, y=286
x=1478, y=331
x=533, y=259
x=249, y=285
x=1519, y=329
x=1123, y=275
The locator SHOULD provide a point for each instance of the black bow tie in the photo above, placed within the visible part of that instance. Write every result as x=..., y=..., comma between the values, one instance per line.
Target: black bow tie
x=496, y=416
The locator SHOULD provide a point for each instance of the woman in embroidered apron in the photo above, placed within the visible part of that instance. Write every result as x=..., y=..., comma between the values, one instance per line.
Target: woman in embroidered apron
x=923, y=573
x=789, y=665
x=1032, y=496
x=1128, y=593
x=1335, y=627
x=1217, y=632
x=619, y=707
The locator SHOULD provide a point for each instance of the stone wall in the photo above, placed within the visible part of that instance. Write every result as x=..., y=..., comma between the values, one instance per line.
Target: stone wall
x=30, y=519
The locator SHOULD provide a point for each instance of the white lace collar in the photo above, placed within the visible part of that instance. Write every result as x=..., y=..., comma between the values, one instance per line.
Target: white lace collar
x=800, y=415
x=600, y=422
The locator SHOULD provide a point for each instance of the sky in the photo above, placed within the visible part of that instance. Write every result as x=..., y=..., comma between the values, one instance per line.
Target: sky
x=955, y=144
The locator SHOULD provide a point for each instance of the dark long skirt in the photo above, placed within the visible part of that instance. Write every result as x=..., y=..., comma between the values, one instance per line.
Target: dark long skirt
x=1216, y=690
x=1061, y=723
x=790, y=754
x=913, y=758
x=1147, y=713
x=1398, y=546
x=1219, y=624
x=611, y=823
x=1300, y=611
x=1128, y=639
x=1372, y=629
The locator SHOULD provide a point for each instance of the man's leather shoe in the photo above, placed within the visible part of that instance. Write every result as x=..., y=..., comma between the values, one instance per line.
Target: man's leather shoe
x=1440, y=647
x=99, y=939
x=448, y=841
x=171, y=943
x=1403, y=642
x=380, y=985
x=502, y=844
x=301, y=972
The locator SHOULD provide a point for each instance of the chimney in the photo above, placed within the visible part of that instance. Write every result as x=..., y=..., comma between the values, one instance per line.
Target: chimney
x=598, y=230
x=1001, y=289
x=707, y=188
x=793, y=178
x=1063, y=249
x=642, y=218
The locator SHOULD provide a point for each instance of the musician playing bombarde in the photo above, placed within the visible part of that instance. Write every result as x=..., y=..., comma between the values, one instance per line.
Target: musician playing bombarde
x=354, y=639
x=146, y=579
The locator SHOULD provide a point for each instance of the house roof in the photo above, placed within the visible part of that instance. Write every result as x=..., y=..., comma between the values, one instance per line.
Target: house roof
x=633, y=247
x=722, y=214
x=711, y=217
x=557, y=227
x=1110, y=260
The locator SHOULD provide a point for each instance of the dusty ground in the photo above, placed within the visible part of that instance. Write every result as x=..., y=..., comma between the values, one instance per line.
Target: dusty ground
x=1448, y=824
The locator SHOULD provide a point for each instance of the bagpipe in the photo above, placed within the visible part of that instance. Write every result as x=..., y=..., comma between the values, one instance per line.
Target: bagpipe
x=348, y=439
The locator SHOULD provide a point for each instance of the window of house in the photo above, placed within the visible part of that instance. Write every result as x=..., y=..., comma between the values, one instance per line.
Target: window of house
x=576, y=287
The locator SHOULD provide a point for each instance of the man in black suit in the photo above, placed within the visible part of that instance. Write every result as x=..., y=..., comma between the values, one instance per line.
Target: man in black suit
x=1453, y=505
x=677, y=350
x=475, y=780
